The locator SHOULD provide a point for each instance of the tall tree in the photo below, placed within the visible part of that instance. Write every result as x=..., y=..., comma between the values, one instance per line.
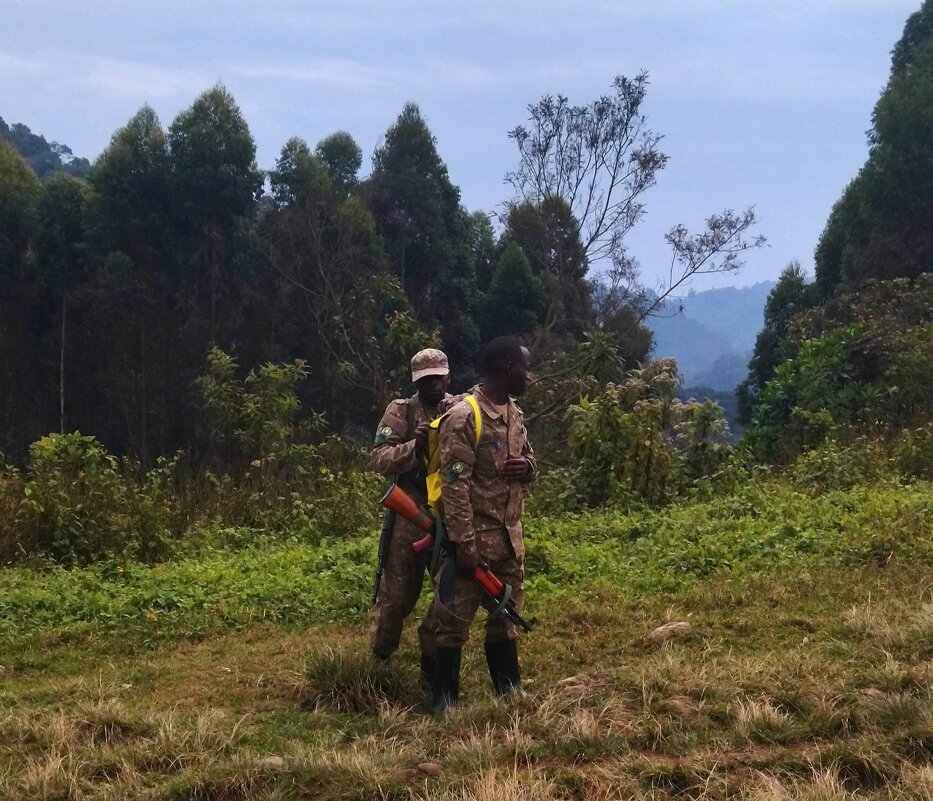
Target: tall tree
x=515, y=301
x=880, y=228
x=599, y=159
x=133, y=316
x=19, y=193
x=342, y=157
x=336, y=293
x=483, y=245
x=61, y=259
x=790, y=296
x=215, y=187
x=427, y=234
x=549, y=235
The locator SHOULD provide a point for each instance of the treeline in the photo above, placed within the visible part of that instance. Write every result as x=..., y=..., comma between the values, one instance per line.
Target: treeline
x=114, y=289
x=849, y=354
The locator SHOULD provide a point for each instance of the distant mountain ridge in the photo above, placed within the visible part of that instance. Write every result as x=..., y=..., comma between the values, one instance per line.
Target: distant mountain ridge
x=711, y=333
x=45, y=157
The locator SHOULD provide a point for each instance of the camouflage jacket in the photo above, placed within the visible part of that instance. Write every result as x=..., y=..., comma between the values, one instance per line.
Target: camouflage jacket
x=479, y=504
x=394, y=450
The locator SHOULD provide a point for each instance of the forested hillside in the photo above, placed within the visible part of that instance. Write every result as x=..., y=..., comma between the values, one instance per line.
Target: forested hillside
x=709, y=332
x=45, y=158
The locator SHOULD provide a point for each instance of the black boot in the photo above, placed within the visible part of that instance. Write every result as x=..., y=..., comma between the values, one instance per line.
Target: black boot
x=427, y=671
x=502, y=659
x=446, y=688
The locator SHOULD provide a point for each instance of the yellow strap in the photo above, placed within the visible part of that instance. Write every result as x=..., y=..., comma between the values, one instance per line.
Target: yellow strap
x=477, y=419
x=434, y=479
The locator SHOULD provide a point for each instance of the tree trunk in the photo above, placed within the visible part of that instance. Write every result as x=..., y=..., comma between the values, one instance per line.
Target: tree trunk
x=61, y=371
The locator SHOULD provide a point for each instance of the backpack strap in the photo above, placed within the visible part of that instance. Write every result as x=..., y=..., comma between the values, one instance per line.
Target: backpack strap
x=410, y=416
x=434, y=452
x=477, y=419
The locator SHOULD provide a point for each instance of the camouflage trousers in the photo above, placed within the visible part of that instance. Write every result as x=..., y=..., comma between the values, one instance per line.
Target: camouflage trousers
x=455, y=617
x=402, y=579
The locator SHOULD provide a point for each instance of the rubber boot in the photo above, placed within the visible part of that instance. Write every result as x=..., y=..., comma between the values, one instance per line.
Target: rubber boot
x=446, y=688
x=427, y=671
x=502, y=660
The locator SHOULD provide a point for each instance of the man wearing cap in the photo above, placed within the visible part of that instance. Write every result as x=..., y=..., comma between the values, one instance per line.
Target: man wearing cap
x=400, y=451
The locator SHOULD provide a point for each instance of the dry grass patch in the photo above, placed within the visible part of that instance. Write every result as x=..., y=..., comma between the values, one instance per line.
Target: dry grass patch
x=761, y=721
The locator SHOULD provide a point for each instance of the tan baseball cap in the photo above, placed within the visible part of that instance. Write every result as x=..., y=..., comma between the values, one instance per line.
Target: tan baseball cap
x=429, y=361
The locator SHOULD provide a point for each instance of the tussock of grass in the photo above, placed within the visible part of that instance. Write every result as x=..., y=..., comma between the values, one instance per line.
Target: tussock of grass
x=500, y=785
x=355, y=682
x=760, y=721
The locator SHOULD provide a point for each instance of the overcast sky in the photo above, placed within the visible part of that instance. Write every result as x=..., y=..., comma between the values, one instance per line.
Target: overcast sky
x=761, y=102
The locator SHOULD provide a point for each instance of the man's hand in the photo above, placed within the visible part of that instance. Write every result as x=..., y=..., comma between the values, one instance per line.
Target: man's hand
x=446, y=402
x=421, y=435
x=467, y=556
x=516, y=468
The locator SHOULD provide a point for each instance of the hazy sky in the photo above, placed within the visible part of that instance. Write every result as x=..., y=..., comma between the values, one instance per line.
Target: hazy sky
x=762, y=102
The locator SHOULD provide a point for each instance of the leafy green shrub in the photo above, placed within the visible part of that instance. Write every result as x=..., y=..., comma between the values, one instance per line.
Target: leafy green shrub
x=760, y=529
x=11, y=494
x=79, y=507
x=835, y=466
x=866, y=369
x=912, y=453
x=637, y=443
x=280, y=474
x=343, y=505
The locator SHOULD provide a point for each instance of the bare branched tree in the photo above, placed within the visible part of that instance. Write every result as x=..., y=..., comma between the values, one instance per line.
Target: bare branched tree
x=596, y=161
x=599, y=159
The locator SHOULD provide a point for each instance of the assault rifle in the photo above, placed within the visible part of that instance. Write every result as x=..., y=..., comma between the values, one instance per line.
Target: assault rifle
x=398, y=501
x=385, y=537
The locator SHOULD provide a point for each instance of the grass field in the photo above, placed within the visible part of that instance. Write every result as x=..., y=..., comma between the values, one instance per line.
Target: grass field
x=240, y=672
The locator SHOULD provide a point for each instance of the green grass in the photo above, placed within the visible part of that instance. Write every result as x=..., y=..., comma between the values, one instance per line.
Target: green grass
x=808, y=672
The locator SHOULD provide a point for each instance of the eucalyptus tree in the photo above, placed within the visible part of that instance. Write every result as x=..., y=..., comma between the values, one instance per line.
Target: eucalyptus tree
x=880, y=227
x=62, y=262
x=427, y=234
x=19, y=194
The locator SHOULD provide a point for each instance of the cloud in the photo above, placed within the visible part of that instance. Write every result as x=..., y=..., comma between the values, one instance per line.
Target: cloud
x=341, y=73
x=11, y=64
x=134, y=79
x=118, y=78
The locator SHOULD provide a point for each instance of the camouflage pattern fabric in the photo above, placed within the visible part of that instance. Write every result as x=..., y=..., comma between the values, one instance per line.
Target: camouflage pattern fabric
x=399, y=590
x=481, y=506
x=394, y=453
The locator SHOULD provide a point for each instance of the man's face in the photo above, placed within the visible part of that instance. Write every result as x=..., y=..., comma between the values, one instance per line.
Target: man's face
x=517, y=373
x=432, y=389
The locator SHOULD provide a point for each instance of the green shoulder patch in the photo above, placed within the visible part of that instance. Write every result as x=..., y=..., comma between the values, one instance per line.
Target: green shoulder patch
x=455, y=470
x=383, y=434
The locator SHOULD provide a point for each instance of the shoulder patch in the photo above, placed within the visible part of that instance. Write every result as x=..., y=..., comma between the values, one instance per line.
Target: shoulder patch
x=455, y=470
x=383, y=434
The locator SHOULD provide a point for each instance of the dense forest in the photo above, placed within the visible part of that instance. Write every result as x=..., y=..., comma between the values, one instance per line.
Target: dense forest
x=114, y=289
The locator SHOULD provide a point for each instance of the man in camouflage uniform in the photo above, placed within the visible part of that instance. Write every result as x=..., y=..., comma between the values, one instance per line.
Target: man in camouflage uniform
x=483, y=491
x=400, y=451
